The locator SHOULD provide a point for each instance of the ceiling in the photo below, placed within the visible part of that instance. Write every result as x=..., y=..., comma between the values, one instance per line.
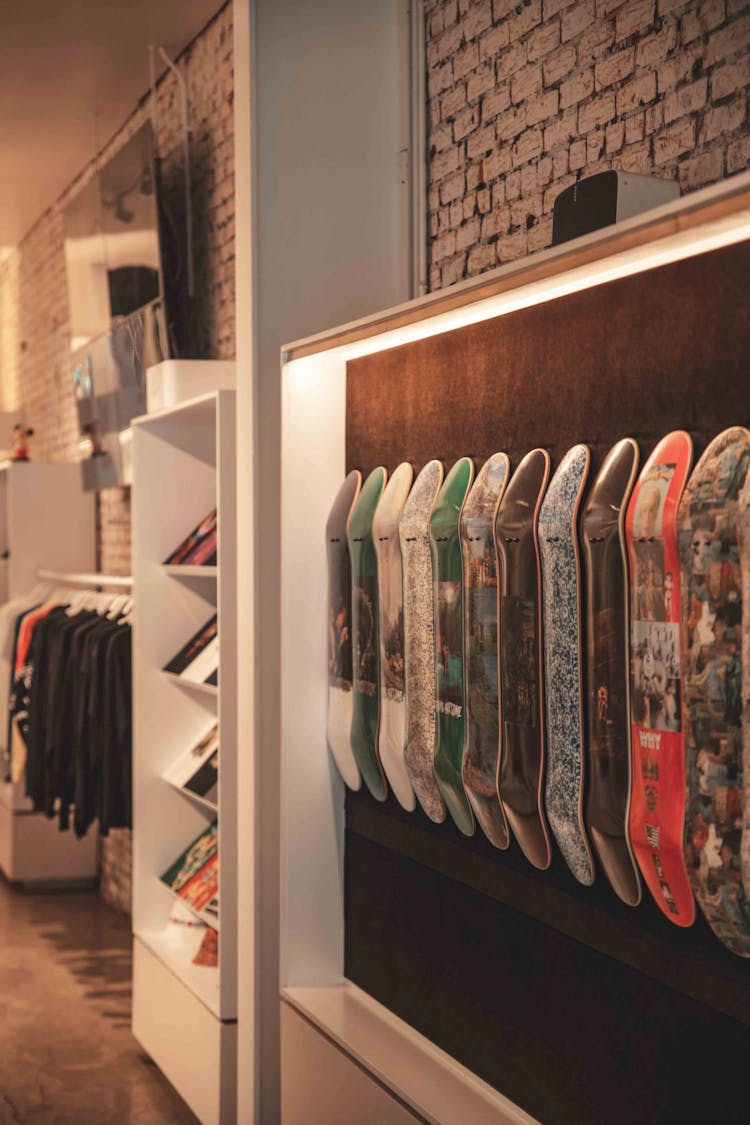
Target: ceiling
x=71, y=72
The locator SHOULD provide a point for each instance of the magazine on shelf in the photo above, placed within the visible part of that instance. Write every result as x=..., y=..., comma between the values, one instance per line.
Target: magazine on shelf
x=195, y=939
x=198, y=660
x=199, y=548
x=194, y=876
x=197, y=772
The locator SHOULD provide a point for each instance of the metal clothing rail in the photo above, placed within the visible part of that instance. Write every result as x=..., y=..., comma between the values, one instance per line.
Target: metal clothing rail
x=63, y=578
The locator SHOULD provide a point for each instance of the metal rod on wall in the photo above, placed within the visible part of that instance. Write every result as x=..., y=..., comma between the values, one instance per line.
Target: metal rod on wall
x=61, y=578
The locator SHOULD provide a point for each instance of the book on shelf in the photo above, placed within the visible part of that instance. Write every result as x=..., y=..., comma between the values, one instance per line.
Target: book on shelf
x=195, y=939
x=197, y=772
x=198, y=660
x=199, y=548
x=194, y=876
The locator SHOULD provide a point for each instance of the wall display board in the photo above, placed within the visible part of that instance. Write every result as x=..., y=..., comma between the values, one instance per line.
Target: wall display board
x=184, y=806
x=492, y=979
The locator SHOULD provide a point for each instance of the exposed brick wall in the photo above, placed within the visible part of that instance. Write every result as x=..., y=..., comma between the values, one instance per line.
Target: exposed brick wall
x=35, y=355
x=526, y=96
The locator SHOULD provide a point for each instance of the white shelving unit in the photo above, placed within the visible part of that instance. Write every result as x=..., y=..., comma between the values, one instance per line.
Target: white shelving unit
x=184, y=1015
x=313, y=443
x=46, y=522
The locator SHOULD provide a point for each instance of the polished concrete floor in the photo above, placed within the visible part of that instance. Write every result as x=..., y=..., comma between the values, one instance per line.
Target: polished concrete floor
x=66, y=1053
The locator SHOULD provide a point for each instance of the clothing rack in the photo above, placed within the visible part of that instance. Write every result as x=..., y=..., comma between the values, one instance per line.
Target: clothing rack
x=61, y=578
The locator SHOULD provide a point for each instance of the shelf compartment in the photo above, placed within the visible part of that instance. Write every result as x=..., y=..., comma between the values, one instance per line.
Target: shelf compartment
x=176, y=946
x=178, y=570
x=193, y=685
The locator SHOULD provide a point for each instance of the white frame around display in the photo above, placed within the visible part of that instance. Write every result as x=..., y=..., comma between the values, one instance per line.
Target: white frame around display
x=313, y=465
x=184, y=1015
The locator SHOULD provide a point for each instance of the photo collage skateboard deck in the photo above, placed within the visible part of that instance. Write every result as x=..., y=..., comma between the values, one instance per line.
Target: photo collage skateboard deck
x=392, y=723
x=339, y=716
x=608, y=672
x=419, y=638
x=563, y=660
x=365, y=702
x=479, y=557
x=714, y=562
x=521, y=766
x=449, y=642
x=657, y=806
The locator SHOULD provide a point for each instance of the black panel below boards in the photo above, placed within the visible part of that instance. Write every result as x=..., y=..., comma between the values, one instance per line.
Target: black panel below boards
x=578, y=1008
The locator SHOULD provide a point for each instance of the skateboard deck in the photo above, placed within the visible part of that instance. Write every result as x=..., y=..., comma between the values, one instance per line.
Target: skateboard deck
x=365, y=696
x=608, y=672
x=657, y=804
x=449, y=700
x=521, y=763
x=563, y=660
x=339, y=720
x=479, y=771
x=419, y=638
x=392, y=725
x=712, y=572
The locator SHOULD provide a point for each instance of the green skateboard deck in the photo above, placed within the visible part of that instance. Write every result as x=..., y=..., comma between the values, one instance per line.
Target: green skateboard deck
x=714, y=565
x=392, y=727
x=521, y=771
x=339, y=718
x=563, y=660
x=419, y=638
x=608, y=669
x=365, y=703
x=482, y=748
x=657, y=804
x=449, y=642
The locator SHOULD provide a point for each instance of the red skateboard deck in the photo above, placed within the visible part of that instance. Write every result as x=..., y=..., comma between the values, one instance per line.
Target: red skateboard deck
x=657, y=806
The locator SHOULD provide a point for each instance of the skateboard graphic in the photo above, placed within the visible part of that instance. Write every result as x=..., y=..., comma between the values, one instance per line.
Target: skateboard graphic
x=449, y=700
x=563, y=660
x=608, y=669
x=419, y=638
x=339, y=720
x=365, y=702
x=714, y=579
x=392, y=725
x=657, y=805
x=521, y=764
x=479, y=771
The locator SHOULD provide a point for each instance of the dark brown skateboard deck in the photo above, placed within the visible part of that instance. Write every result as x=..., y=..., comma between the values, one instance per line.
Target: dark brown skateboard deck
x=608, y=669
x=521, y=764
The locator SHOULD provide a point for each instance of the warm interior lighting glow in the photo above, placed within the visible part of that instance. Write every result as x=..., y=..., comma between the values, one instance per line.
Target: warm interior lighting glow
x=674, y=248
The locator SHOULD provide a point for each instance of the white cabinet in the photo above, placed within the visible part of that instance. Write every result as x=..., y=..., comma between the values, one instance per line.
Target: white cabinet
x=184, y=1014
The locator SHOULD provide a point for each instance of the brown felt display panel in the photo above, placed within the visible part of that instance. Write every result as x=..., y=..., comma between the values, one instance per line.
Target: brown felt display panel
x=526, y=977
x=665, y=349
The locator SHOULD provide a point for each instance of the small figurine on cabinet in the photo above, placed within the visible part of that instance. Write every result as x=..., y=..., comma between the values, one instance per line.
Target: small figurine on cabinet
x=92, y=441
x=20, y=442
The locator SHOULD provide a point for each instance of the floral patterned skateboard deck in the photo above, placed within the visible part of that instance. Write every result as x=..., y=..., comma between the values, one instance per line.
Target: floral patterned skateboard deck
x=392, y=724
x=419, y=638
x=657, y=805
x=607, y=678
x=713, y=567
x=365, y=708
x=563, y=660
x=449, y=642
x=339, y=720
x=521, y=764
x=479, y=771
